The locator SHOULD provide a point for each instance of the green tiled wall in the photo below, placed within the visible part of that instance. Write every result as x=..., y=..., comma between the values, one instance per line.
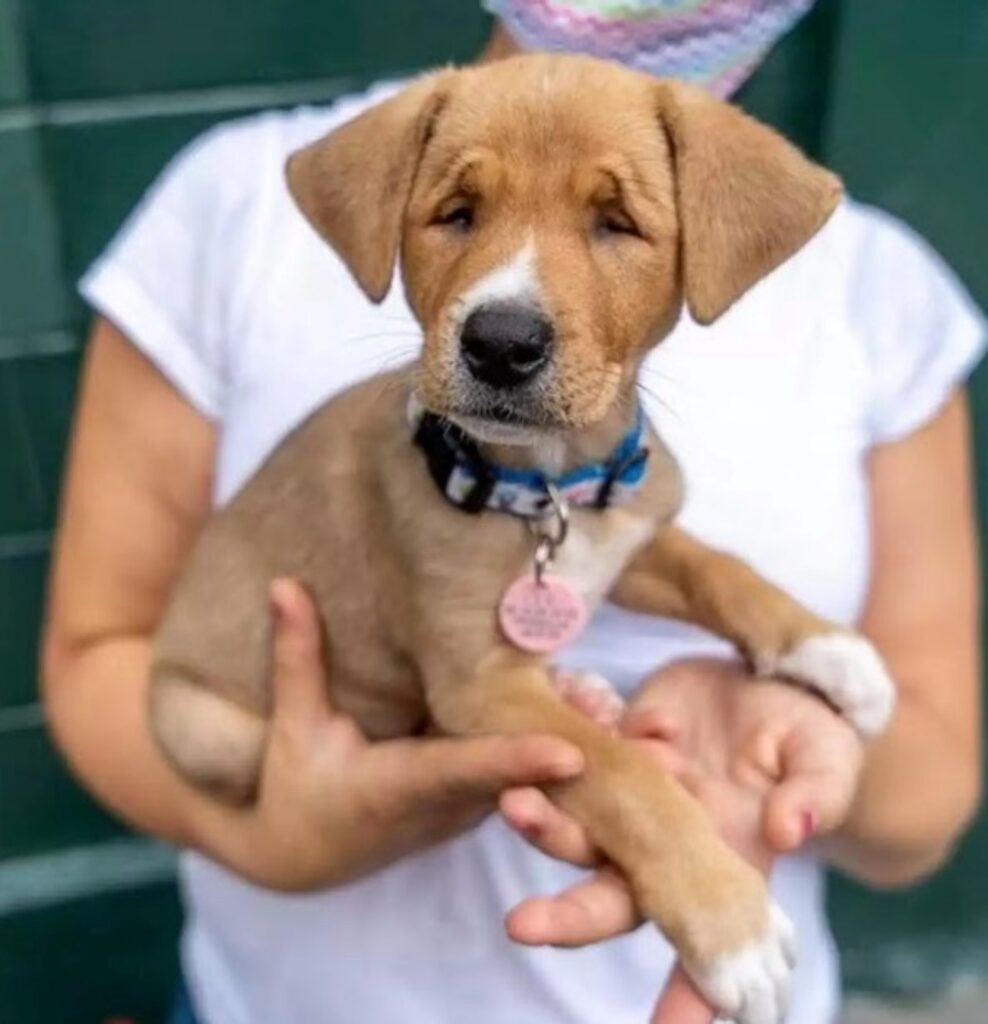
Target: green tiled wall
x=41, y=807
x=106, y=48
x=23, y=566
x=909, y=126
x=13, y=82
x=32, y=293
x=98, y=171
x=95, y=95
x=101, y=958
x=94, y=98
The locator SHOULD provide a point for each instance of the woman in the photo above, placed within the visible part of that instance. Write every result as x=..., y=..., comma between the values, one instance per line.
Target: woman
x=223, y=321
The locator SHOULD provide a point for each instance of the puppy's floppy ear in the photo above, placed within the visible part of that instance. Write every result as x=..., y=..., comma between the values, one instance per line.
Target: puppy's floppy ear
x=353, y=185
x=747, y=199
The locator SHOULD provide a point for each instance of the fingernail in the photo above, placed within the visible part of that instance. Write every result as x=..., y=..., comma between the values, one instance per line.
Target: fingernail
x=567, y=765
x=808, y=819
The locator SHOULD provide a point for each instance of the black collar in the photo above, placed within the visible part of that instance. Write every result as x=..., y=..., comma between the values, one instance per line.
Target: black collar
x=471, y=483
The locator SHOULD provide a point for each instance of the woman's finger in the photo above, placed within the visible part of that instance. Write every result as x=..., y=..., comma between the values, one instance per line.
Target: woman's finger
x=457, y=771
x=819, y=779
x=298, y=669
x=803, y=806
x=537, y=819
x=591, y=911
x=681, y=1003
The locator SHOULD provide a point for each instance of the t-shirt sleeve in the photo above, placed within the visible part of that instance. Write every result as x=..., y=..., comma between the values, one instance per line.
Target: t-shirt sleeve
x=922, y=331
x=169, y=276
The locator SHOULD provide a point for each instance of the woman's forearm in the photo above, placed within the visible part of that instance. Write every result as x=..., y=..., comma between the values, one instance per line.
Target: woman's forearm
x=96, y=702
x=921, y=782
x=919, y=790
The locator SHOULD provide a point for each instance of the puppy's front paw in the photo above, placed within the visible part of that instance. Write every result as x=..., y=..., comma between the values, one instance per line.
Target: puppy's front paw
x=751, y=985
x=847, y=670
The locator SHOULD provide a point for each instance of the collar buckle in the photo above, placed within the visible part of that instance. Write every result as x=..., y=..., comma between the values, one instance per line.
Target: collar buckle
x=619, y=468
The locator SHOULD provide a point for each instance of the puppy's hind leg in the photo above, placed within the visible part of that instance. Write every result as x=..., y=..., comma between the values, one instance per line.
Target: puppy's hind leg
x=212, y=742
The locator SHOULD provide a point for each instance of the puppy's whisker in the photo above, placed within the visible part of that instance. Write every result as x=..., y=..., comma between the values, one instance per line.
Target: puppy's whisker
x=659, y=400
x=381, y=336
x=671, y=380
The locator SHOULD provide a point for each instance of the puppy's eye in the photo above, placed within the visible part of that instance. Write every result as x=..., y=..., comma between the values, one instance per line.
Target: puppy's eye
x=615, y=222
x=457, y=215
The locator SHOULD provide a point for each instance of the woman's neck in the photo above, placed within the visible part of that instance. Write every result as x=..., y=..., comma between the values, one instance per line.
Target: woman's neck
x=499, y=45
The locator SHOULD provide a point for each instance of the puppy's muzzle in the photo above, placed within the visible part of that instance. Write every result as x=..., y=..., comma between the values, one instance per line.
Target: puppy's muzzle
x=505, y=346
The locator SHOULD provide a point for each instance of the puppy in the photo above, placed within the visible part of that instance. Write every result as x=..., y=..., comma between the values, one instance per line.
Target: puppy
x=455, y=520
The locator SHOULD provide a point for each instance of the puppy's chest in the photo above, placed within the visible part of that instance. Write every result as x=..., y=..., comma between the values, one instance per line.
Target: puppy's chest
x=597, y=549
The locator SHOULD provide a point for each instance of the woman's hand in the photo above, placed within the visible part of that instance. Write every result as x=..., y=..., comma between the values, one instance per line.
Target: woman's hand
x=772, y=763
x=333, y=806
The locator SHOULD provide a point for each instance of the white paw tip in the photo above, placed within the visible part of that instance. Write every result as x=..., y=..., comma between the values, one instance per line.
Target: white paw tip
x=752, y=985
x=591, y=692
x=847, y=670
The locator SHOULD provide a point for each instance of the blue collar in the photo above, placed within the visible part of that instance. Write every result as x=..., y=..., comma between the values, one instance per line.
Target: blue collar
x=471, y=483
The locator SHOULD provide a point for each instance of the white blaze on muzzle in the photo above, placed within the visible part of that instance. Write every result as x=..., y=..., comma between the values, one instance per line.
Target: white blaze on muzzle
x=515, y=281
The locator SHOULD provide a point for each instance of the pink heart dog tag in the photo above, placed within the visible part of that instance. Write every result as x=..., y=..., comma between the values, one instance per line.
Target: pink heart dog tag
x=542, y=616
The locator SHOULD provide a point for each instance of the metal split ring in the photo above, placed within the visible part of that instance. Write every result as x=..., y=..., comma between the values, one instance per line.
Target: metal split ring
x=556, y=510
x=542, y=559
x=555, y=513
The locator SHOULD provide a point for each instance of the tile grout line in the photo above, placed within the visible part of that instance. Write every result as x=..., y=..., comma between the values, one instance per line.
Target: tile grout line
x=21, y=718
x=47, y=879
x=161, y=104
x=31, y=542
x=37, y=344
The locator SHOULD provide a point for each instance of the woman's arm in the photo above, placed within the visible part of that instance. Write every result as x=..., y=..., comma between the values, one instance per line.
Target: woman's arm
x=137, y=491
x=921, y=782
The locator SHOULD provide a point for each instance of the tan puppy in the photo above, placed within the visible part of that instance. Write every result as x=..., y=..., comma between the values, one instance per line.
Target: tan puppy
x=551, y=215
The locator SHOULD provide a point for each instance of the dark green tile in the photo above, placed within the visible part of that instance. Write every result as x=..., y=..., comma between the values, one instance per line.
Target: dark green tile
x=36, y=397
x=100, y=171
x=908, y=120
x=47, y=387
x=22, y=499
x=114, y=47
x=93, y=960
x=912, y=943
x=41, y=806
x=13, y=82
x=790, y=89
x=32, y=296
x=23, y=570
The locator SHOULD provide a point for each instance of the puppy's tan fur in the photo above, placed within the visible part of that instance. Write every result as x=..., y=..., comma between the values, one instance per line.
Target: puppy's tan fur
x=549, y=153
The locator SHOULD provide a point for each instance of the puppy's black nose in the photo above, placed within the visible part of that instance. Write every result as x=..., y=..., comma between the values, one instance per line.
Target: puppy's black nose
x=505, y=346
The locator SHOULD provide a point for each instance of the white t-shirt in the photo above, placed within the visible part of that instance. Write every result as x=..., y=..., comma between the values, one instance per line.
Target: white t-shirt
x=857, y=340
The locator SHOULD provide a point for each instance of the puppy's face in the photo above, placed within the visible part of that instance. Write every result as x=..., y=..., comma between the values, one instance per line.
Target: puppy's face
x=540, y=244
x=551, y=215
